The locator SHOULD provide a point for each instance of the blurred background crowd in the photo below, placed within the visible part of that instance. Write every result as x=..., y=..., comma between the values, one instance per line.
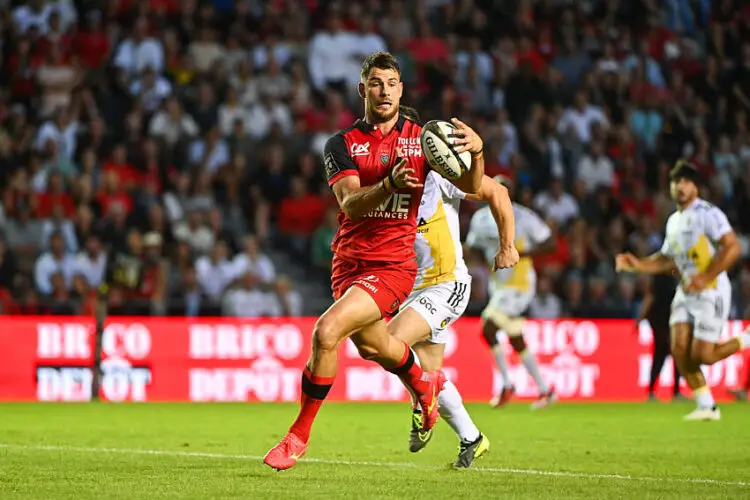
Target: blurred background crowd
x=191, y=132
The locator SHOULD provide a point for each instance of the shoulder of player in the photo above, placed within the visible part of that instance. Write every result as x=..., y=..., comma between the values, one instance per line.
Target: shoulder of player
x=337, y=142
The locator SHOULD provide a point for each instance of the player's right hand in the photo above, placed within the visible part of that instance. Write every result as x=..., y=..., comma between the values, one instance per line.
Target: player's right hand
x=404, y=176
x=506, y=257
x=626, y=262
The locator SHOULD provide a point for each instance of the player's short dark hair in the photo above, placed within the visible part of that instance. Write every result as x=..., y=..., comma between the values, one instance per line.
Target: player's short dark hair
x=380, y=60
x=683, y=169
x=408, y=112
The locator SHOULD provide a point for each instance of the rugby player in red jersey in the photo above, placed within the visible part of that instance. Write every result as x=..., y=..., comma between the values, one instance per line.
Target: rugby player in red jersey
x=376, y=170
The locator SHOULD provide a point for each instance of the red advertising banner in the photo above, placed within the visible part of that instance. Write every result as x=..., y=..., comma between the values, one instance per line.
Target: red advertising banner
x=48, y=358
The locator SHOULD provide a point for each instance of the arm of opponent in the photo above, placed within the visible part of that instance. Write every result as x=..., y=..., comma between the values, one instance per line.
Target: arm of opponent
x=496, y=196
x=468, y=140
x=656, y=263
x=343, y=177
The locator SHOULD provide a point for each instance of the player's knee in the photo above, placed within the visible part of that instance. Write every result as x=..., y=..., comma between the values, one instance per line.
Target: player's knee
x=326, y=335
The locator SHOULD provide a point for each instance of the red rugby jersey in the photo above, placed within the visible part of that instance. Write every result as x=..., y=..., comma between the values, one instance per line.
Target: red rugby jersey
x=387, y=233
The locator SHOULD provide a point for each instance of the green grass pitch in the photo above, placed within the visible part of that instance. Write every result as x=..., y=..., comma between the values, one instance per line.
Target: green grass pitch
x=145, y=451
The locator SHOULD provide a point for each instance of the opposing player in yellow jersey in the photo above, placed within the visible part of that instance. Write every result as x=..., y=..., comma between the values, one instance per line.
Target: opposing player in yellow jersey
x=441, y=293
x=703, y=246
x=511, y=292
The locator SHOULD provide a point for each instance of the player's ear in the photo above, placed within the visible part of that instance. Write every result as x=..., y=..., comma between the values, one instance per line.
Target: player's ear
x=361, y=90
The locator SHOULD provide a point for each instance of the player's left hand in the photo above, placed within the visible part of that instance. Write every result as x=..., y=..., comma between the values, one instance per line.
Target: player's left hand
x=697, y=283
x=466, y=138
x=505, y=257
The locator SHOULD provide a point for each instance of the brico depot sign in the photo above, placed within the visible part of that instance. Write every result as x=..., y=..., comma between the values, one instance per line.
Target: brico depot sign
x=235, y=360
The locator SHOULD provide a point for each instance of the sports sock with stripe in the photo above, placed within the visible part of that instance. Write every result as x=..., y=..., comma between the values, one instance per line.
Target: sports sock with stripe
x=314, y=391
x=453, y=411
x=410, y=373
x=529, y=361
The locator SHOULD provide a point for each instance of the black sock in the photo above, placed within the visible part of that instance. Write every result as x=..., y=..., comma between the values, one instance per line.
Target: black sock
x=657, y=363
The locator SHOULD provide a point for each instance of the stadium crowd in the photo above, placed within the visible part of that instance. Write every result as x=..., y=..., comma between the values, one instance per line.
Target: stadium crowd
x=192, y=132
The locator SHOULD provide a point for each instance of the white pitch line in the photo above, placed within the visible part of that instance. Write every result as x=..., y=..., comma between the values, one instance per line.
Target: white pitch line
x=393, y=465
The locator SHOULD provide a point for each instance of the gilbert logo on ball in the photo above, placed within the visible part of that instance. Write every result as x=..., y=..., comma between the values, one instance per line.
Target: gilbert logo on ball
x=437, y=138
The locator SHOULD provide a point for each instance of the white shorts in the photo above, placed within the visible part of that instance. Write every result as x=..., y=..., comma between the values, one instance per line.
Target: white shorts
x=509, y=301
x=440, y=305
x=707, y=311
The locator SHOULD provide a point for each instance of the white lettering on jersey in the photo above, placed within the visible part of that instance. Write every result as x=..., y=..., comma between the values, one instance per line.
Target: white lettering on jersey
x=410, y=146
x=395, y=207
x=360, y=149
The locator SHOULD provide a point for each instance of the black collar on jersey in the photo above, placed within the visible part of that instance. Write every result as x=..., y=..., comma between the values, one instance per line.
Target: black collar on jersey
x=366, y=127
x=684, y=170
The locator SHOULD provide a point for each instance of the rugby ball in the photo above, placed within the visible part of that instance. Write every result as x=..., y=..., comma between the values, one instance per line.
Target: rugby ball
x=437, y=140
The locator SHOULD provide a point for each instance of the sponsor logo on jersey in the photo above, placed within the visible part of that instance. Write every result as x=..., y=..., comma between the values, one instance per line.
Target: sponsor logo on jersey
x=360, y=149
x=395, y=207
x=410, y=146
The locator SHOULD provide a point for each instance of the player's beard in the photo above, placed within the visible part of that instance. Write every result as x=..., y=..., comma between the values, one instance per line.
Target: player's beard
x=377, y=116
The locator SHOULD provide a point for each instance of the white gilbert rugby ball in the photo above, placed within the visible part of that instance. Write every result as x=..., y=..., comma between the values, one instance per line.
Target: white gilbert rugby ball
x=437, y=140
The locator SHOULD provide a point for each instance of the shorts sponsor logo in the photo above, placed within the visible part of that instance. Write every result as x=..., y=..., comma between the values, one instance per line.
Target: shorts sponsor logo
x=445, y=322
x=360, y=149
x=424, y=301
x=366, y=284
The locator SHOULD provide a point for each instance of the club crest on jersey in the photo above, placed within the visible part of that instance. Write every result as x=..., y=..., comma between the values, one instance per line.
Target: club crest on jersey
x=384, y=159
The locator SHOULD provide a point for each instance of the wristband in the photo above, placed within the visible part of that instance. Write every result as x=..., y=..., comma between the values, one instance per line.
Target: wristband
x=388, y=185
x=480, y=153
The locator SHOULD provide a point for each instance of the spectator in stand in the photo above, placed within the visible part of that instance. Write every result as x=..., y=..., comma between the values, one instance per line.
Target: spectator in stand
x=54, y=261
x=151, y=89
x=139, y=51
x=299, y=214
x=545, y=305
x=246, y=300
x=215, y=272
x=210, y=153
x=284, y=300
x=172, y=124
x=556, y=204
x=8, y=267
x=195, y=233
x=580, y=118
x=90, y=266
x=22, y=233
x=58, y=224
x=329, y=63
x=59, y=302
x=595, y=169
x=253, y=261
x=322, y=255
x=61, y=130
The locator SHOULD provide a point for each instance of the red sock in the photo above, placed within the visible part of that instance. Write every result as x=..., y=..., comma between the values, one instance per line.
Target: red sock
x=314, y=391
x=747, y=372
x=411, y=373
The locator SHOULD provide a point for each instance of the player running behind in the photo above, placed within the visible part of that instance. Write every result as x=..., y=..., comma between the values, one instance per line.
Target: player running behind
x=441, y=294
x=511, y=291
x=374, y=264
x=703, y=246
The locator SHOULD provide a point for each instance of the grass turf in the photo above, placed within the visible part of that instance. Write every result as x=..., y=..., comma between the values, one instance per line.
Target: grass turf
x=51, y=451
